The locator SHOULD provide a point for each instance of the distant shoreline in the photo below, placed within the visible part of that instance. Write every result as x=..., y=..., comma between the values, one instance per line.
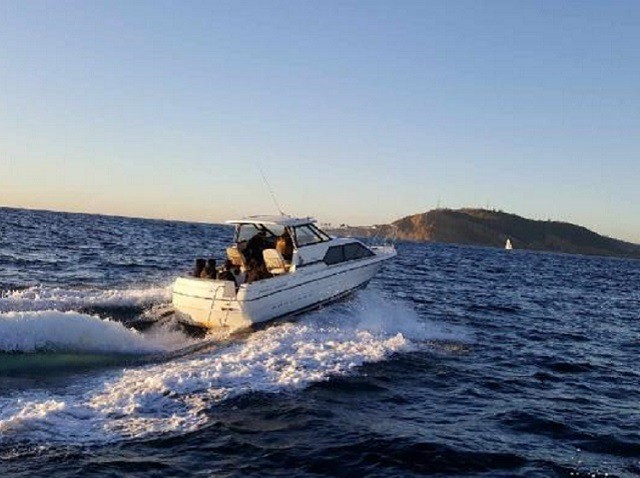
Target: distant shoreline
x=483, y=227
x=466, y=226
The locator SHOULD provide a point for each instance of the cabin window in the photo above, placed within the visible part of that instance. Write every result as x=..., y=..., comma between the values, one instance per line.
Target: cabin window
x=355, y=250
x=334, y=255
x=348, y=252
x=306, y=236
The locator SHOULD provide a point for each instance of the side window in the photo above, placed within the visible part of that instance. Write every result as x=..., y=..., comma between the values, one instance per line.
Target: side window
x=334, y=255
x=356, y=250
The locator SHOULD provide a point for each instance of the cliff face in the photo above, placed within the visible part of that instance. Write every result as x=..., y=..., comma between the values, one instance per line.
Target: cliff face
x=492, y=228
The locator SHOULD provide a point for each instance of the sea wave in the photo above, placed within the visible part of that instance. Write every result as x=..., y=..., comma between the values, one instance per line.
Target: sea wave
x=57, y=331
x=39, y=298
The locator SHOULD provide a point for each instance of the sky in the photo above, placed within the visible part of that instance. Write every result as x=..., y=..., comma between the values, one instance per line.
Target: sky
x=358, y=112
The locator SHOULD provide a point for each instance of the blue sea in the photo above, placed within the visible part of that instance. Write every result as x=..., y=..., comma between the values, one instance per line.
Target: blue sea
x=455, y=361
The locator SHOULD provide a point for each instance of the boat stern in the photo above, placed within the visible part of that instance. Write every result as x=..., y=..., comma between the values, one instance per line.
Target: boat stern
x=208, y=303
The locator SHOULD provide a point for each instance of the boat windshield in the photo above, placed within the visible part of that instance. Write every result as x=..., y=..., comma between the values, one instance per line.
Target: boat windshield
x=309, y=234
x=304, y=235
x=244, y=232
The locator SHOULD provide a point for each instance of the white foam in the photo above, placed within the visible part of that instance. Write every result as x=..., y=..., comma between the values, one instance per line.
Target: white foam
x=44, y=298
x=384, y=316
x=73, y=332
x=175, y=396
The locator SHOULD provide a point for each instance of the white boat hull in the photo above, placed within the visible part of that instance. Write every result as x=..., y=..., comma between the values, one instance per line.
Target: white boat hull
x=213, y=303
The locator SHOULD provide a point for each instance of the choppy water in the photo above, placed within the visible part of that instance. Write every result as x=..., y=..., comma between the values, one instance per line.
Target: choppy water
x=457, y=361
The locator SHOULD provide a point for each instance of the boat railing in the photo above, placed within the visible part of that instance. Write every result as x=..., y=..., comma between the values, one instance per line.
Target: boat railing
x=215, y=299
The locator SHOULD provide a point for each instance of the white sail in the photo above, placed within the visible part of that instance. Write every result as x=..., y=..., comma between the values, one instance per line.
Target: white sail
x=508, y=246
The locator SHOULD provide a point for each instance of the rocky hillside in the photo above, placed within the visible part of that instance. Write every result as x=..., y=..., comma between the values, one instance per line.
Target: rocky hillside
x=492, y=228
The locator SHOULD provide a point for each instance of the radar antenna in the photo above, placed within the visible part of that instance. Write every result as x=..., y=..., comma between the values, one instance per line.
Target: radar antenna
x=273, y=196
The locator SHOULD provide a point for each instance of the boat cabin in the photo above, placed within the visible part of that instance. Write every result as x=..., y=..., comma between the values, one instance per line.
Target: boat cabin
x=265, y=246
x=269, y=246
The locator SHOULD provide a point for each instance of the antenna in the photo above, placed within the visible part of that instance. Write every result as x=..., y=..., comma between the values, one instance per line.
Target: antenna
x=273, y=196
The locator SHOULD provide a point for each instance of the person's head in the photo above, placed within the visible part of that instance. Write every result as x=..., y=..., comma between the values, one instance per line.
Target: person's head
x=211, y=263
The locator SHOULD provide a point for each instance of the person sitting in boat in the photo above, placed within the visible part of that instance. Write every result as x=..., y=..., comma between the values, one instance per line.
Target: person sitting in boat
x=256, y=268
x=257, y=271
x=228, y=272
x=284, y=245
x=209, y=271
x=255, y=246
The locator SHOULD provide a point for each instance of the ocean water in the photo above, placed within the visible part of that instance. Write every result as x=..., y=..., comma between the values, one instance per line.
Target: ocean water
x=456, y=361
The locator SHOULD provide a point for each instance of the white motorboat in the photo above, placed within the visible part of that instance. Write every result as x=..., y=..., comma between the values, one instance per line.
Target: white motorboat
x=280, y=266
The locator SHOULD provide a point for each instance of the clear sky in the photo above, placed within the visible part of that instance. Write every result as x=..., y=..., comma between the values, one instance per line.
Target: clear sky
x=359, y=112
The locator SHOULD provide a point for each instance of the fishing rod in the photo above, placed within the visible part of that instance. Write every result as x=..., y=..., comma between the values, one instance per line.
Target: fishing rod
x=273, y=195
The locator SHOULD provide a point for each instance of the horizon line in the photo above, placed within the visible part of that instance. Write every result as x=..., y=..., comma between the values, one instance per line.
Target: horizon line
x=348, y=225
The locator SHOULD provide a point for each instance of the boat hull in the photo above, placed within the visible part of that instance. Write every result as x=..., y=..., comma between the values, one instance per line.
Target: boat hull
x=214, y=304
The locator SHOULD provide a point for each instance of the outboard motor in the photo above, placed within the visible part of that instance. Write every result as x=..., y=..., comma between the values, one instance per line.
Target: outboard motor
x=199, y=267
x=209, y=271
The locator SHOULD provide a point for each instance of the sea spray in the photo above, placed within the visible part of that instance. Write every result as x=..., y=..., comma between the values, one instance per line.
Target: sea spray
x=56, y=298
x=377, y=313
x=56, y=331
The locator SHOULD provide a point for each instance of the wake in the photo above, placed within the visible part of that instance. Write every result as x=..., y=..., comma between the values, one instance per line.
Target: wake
x=176, y=396
x=42, y=298
x=55, y=320
x=55, y=331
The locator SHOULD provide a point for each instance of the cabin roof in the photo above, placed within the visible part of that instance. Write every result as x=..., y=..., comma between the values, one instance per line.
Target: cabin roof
x=273, y=220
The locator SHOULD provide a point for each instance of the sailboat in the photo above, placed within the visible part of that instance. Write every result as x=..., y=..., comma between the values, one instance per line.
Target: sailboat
x=507, y=245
